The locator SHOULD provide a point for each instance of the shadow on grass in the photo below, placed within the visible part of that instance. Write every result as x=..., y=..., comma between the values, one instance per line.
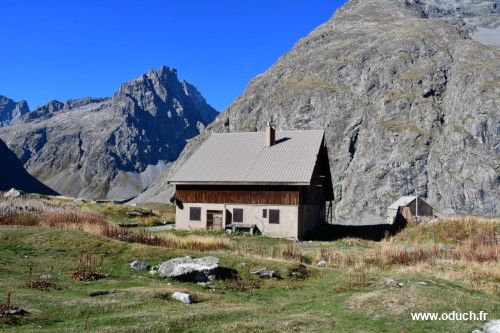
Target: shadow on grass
x=377, y=232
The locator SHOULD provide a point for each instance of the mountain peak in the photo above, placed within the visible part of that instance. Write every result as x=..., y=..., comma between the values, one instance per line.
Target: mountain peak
x=10, y=110
x=125, y=141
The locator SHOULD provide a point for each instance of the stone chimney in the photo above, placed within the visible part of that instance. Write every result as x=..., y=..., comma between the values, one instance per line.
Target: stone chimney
x=270, y=135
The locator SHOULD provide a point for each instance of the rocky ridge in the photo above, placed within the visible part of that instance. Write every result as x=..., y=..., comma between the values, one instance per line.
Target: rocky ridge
x=10, y=111
x=13, y=175
x=110, y=148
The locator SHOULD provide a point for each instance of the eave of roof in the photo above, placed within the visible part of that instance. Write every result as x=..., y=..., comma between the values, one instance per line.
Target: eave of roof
x=239, y=183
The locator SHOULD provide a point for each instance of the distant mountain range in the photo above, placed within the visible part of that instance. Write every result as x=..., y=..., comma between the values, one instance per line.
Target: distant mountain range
x=407, y=92
x=13, y=175
x=107, y=148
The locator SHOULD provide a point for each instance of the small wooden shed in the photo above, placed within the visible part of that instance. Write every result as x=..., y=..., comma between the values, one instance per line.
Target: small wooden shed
x=406, y=208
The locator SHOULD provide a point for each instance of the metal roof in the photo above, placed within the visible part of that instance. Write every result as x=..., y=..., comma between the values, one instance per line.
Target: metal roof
x=243, y=158
x=401, y=202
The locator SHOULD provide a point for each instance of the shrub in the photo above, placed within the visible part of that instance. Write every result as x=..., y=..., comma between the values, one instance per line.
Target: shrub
x=299, y=271
x=88, y=268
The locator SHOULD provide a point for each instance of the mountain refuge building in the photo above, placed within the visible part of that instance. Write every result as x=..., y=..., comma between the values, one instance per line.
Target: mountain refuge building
x=276, y=183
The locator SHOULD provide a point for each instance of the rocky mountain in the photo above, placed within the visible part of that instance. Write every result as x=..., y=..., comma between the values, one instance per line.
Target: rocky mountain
x=13, y=175
x=11, y=111
x=110, y=148
x=407, y=99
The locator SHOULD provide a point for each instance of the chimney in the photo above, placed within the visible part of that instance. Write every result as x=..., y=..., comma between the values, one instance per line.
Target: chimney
x=270, y=135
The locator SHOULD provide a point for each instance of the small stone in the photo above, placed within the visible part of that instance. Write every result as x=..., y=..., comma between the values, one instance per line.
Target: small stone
x=138, y=265
x=13, y=193
x=45, y=276
x=264, y=273
x=393, y=283
x=183, y=297
x=422, y=283
x=322, y=263
x=16, y=312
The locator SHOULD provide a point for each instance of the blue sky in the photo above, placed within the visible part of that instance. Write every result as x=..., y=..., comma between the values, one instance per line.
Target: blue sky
x=71, y=49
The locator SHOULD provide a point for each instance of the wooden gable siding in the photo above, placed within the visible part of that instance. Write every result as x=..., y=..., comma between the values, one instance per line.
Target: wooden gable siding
x=424, y=209
x=257, y=195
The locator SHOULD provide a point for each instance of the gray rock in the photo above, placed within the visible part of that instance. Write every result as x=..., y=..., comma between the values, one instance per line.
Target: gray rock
x=183, y=297
x=393, y=283
x=135, y=213
x=422, y=283
x=45, y=276
x=186, y=268
x=264, y=273
x=15, y=312
x=141, y=129
x=138, y=265
x=160, y=228
x=404, y=100
x=13, y=193
x=492, y=326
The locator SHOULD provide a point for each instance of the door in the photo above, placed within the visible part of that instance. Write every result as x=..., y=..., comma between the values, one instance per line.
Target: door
x=218, y=221
x=214, y=219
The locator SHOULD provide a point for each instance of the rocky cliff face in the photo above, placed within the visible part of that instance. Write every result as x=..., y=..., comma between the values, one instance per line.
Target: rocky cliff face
x=10, y=111
x=406, y=97
x=110, y=148
x=13, y=175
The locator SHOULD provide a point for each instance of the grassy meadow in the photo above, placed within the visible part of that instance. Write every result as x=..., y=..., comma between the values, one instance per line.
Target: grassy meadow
x=444, y=265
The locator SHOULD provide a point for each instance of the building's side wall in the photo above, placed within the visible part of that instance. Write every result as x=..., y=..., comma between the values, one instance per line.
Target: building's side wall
x=391, y=215
x=252, y=214
x=310, y=217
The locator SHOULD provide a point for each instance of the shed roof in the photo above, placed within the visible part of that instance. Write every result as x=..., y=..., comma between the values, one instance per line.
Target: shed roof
x=401, y=202
x=243, y=158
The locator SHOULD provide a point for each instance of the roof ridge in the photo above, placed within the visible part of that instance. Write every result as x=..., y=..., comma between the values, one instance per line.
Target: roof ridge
x=254, y=132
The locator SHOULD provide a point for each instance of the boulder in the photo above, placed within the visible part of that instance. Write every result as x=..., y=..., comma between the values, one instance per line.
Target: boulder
x=493, y=326
x=138, y=265
x=189, y=269
x=264, y=273
x=183, y=297
x=13, y=193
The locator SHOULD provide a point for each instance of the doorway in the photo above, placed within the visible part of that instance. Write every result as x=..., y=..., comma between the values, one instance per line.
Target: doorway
x=214, y=219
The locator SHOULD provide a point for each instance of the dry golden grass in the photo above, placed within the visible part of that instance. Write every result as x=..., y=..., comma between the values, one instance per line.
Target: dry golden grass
x=459, y=248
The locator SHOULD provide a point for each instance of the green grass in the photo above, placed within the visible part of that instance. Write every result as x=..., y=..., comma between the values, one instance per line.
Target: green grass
x=117, y=213
x=324, y=302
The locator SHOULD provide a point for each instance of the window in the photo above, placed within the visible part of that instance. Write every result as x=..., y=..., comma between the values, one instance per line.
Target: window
x=274, y=216
x=195, y=213
x=264, y=213
x=237, y=214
